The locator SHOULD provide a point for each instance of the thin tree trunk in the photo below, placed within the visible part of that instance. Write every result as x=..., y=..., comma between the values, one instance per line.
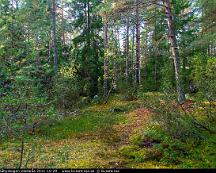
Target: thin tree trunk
x=132, y=58
x=145, y=57
x=55, y=39
x=156, y=49
x=62, y=18
x=137, y=69
x=21, y=154
x=88, y=22
x=127, y=50
x=114, y=59
x=105, y=58
x=175, y=51
x=22, y=140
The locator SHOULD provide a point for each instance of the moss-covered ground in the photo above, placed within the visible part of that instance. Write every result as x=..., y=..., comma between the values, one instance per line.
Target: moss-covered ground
x=118, y=134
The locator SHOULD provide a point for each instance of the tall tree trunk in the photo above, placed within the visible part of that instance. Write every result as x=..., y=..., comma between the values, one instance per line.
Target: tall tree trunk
x=62, y=18
x=175, y=51
x=88, y=22
x=55, y=39
x=145, y=59
x=114, y=60
x=137, y=69
x=155, y=49
x=127, y=49
x=105, y=58
x=132, y=58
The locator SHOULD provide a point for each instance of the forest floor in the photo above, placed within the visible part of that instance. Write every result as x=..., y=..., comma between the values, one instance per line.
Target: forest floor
x=100, y=136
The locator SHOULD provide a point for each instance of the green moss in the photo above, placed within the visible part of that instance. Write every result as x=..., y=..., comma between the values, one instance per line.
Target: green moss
x=137, y=139
x=87, y=122
x=133, y=152
x=91, y=140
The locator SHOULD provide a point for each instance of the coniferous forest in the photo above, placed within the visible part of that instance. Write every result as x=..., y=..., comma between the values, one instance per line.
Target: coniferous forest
x=107, y=84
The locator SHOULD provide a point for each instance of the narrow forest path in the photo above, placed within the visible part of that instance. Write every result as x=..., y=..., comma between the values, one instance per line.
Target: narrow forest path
x=106, y=136
x=92, y=139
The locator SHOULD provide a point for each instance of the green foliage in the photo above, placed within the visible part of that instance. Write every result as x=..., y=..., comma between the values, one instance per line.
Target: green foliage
x=155, y=144
x=25, y=102
x=67, y=89
x=33, y=102
x=204, y=76
x=20, y=113
x=87, y=47
x=133, y=152
x=130, y=94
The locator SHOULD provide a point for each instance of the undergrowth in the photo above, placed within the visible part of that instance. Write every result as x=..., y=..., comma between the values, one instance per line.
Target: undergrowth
x=173, y=138
x=160, y=135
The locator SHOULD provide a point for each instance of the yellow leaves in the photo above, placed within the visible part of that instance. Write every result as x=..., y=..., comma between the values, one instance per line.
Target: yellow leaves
x=208, y=103
x=67, y=71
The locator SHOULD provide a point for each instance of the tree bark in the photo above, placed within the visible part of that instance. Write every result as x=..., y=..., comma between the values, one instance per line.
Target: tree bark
x=105, y=57
x=88, y=23
x=137, y=68
x=127, y=50
x=175, y=51
x=155, y=49
x=114, y=60
x=54, y=39
x=62, y=18
x=132, y=58
x=21, y=154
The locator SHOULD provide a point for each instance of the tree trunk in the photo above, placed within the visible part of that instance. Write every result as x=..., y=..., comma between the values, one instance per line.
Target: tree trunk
x=21, y=153
x=155, y=49
x=54, y=39
x=62, y=18
x=105, y=58
x=137, y=68
x=132, y=58
x=127, y=50
x=175, y=51
x=88, y=23
x=114, y=60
